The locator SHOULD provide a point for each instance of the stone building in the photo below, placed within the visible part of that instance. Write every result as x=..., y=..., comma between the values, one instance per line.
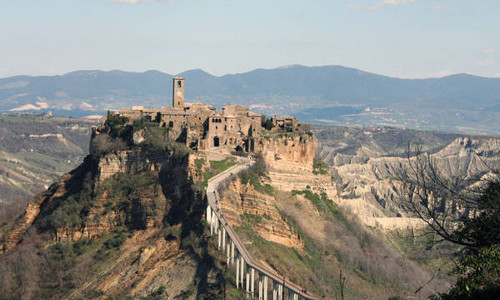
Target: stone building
x=202, y=127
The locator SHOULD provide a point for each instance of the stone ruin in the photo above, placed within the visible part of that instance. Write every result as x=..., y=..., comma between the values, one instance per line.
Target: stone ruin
x=201, y=127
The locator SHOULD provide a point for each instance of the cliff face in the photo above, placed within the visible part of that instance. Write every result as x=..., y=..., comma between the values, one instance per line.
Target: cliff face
x=295, y=152
x=241, y=203
x=365, y=165
x=289, y=164
x=129, y=220
x=93, y=186
x=292, y=218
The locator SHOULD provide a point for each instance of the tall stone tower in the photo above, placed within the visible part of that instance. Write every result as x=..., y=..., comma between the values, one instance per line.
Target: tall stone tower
x=178, y=96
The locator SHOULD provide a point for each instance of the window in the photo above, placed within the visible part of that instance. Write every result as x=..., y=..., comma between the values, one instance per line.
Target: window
x=179, y=83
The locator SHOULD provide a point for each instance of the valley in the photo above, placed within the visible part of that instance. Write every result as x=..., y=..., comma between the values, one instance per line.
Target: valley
x=35, y=150
x=310, y=210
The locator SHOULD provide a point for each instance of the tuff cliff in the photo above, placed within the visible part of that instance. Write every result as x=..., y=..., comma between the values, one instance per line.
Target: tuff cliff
x=131, y=217
x=288, y=212
x=123, y=223
x=365, y=164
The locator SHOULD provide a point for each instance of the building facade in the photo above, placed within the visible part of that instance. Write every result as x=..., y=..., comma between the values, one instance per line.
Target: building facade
x=202, y=127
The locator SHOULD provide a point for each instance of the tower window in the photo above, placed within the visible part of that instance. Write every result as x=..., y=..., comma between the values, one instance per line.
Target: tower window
x=179, y=83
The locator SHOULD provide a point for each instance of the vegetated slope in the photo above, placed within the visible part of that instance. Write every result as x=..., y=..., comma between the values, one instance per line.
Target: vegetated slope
x=34, y=151
x=326, y=94
x=127, y=222
x=291, y=219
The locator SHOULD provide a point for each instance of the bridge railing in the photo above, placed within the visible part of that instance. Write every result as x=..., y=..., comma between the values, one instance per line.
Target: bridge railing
x=215, y=217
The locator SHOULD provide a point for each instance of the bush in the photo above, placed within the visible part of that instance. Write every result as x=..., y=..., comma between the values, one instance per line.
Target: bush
x=156, y=138
x=320, y=167
x=267, y=123
x=103, y=144
x=322, y=203
x=116, y=239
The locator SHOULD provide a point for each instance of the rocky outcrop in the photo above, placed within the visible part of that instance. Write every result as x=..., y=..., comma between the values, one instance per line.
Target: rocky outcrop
x=295, y=152
x=367, y=178
x=100, y=218
x=20, y=226
x=146, y=264
x=128, y=161
x=243, y=201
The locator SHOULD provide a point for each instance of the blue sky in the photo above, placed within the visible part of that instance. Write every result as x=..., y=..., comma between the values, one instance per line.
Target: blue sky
x=401, y=38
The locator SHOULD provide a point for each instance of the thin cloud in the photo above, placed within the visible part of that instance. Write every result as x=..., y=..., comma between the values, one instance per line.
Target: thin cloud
x=489, y=51
x=444, y=73
x=484, y=63
x=138, y=1
x=439, y=7
x=380, y=5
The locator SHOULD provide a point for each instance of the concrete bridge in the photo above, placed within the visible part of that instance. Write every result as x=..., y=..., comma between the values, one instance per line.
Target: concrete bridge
x=248, y=272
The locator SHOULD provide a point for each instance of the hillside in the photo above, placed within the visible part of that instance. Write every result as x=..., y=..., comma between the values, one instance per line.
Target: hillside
x=128, y=221
x=327, y=95
x=36, y=150
x=365, y=163
x=125, y=222
x=131, y=216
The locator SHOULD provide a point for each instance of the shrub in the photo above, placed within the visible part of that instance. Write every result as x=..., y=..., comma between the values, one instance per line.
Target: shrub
x=116, y=239
x=267, y=123
x=320, y=167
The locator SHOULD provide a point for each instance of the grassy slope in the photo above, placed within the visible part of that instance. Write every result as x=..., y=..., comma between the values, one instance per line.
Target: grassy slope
x=30, y=164
x=373, y=269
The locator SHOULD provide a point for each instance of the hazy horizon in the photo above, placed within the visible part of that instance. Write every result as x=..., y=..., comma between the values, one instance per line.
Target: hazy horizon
x=242, y=72
x=396, y=38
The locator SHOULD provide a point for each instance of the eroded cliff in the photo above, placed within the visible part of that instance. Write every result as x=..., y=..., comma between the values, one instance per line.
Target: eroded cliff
x=366, y=163
x=126, y=222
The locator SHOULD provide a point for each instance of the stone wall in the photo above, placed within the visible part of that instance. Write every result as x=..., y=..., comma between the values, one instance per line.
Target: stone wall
x=295, y=152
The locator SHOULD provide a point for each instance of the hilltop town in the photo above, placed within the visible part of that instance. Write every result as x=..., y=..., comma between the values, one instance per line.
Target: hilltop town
x=201, y=127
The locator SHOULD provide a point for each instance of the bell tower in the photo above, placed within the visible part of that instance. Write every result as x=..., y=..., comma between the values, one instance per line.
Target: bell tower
x=178, y=96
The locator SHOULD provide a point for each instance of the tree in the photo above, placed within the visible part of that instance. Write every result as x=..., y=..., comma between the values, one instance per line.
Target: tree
x=461, y=209
x=267, y=123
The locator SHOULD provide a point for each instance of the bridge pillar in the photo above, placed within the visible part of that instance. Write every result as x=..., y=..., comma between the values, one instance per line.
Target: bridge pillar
x=237, y=271
x=242, y=271
x=252, y=282
x=211, y=222
x=223, y=237
x=265, y=287
x=232, y=252
x=214, y=221
x=209, y=214
x=275, y=290
x=280, y=292
x=219, y=236
x=260, y=287
x=228, y=254
x=248, y=281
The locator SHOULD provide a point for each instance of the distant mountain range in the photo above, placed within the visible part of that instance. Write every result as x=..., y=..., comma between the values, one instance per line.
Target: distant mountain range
x=327, y=95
